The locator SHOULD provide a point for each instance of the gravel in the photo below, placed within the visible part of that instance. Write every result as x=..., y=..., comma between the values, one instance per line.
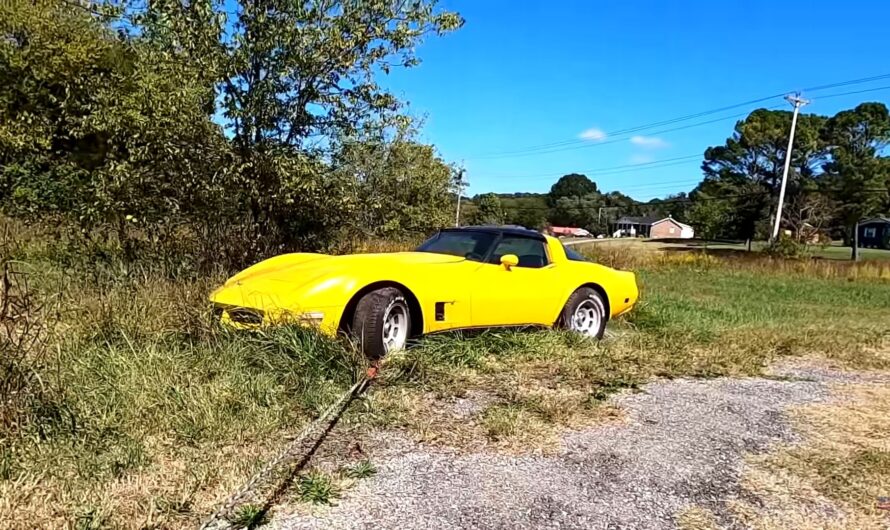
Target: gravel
x=682, y=445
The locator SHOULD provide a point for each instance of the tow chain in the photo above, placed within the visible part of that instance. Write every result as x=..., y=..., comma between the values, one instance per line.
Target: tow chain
x=249, y=492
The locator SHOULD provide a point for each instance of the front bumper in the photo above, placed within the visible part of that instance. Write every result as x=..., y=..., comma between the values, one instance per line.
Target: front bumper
x=248, y=318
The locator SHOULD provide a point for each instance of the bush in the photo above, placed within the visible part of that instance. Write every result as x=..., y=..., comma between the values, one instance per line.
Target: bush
x=787, y=248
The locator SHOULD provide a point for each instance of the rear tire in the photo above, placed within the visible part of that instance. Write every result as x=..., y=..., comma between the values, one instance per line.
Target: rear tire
x=382, y=322
x=585, y=313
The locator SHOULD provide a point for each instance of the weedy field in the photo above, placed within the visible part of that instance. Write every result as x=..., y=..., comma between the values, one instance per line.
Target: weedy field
x=132, y=408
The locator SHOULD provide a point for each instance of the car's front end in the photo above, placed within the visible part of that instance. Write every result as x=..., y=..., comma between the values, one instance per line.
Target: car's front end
x=293, y=288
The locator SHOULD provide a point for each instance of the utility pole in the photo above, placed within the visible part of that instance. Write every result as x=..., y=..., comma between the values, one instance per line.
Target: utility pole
x=798, y=102
x=599, y=216
x=460, y=183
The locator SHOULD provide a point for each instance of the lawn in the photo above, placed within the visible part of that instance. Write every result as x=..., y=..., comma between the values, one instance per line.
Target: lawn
x=835, y=251
x=148, y=412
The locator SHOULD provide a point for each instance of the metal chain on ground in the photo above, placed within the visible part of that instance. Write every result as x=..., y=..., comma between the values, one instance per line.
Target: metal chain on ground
x=289, y=453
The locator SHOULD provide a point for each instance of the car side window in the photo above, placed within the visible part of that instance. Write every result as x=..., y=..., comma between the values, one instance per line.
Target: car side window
x=531, y=252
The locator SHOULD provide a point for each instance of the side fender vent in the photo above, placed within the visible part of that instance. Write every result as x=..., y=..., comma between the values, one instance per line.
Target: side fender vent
x=440, y=311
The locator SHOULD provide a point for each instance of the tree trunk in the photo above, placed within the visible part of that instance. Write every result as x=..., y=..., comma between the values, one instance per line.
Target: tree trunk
x=854, y=253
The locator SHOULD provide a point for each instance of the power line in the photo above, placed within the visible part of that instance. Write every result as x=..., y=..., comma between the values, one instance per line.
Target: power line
x=689, y=199
x=847, y=83
x=617, y=140
x=656, y=164
x=640, y=127
x=605, y=171
x=853, y=92
x=550, y=147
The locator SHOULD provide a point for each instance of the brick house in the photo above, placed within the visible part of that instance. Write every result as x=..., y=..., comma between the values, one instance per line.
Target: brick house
x=669, y=228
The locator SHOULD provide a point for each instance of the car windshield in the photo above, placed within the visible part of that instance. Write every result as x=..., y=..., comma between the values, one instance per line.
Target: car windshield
x=573, y=255
x=466, y=244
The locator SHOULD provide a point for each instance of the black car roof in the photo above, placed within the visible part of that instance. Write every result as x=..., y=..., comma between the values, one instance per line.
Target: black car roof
x=500, y=230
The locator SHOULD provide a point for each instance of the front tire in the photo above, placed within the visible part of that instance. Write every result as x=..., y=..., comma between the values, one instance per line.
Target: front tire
x=585, y=313
x=382, y=322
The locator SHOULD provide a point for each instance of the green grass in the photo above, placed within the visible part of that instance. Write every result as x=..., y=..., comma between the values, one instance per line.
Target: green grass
x=359, y=470
x=836, y=251
x=249, y=516
x=702, y=318
x=151, y=412
x=840, y=252
x=317, y=487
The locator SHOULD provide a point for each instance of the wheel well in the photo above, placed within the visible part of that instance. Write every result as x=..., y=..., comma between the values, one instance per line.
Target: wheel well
x=598, y=288
x=413, y=306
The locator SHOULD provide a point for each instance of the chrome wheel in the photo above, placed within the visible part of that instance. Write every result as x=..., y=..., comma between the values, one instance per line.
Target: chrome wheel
x=588, y=317
x=395, y=326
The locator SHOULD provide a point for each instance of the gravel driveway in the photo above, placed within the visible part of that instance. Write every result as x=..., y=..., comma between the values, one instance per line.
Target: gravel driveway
x=682, y=444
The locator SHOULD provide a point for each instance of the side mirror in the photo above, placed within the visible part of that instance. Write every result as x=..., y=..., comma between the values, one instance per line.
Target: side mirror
x=509, y=261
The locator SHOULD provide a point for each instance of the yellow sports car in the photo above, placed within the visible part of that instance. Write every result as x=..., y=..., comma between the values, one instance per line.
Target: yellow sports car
x=460, y=278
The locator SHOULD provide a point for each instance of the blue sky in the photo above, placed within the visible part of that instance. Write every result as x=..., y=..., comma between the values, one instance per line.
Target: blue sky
x=525, y=73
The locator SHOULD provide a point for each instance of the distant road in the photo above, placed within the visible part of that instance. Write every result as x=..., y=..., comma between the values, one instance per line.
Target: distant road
x=568, y=242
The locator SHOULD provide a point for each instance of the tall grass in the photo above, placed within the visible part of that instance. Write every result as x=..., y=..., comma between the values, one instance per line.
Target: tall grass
x=638, y=257
x=153, y=412
x=157, y=410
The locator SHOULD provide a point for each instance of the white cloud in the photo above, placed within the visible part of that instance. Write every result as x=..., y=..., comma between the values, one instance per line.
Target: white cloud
x=649, y=142
x=593, y=134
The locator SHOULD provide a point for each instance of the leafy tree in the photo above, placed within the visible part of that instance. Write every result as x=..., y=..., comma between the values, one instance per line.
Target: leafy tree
x=577, y=211
x=490, y=211
x=525, y=209
x=856, y=176
x=298, y=76
x=241, y=119
x=747, y=170
x=708, y=215
x=95, y=128
x=675, y=205
x=572, y=185
x=380, y=174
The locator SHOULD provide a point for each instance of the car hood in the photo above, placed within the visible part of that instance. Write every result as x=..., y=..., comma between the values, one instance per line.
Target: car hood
x=270, y=281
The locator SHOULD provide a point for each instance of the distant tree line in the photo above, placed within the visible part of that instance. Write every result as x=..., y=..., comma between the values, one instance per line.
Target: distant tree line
x=839, y=174
x=240, y=128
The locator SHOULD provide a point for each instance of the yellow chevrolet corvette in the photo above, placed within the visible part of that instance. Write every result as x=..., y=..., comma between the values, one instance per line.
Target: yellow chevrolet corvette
x=468, y=277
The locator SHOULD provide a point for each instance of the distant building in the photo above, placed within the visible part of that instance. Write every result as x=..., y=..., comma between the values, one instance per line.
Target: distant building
x=652, y=227
x=568, y=231
x=633, y=226
x=875, y=233
x=670, y=228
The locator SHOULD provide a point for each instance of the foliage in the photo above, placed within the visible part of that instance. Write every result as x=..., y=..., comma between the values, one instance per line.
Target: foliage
x=362, y=469
x=489, y=210
x=318, y=488
x=572, y=185
x=576, y=201
x=175, y=122
x=837, y=173
x=674, y=205
x=786, y=247
x=708, y=215
x=856, y=176
x=747, y=170
x=525, y=209
x=380, y=174
x=250, y=516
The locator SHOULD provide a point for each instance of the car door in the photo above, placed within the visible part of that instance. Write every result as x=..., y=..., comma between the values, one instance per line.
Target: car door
x=521, y=294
